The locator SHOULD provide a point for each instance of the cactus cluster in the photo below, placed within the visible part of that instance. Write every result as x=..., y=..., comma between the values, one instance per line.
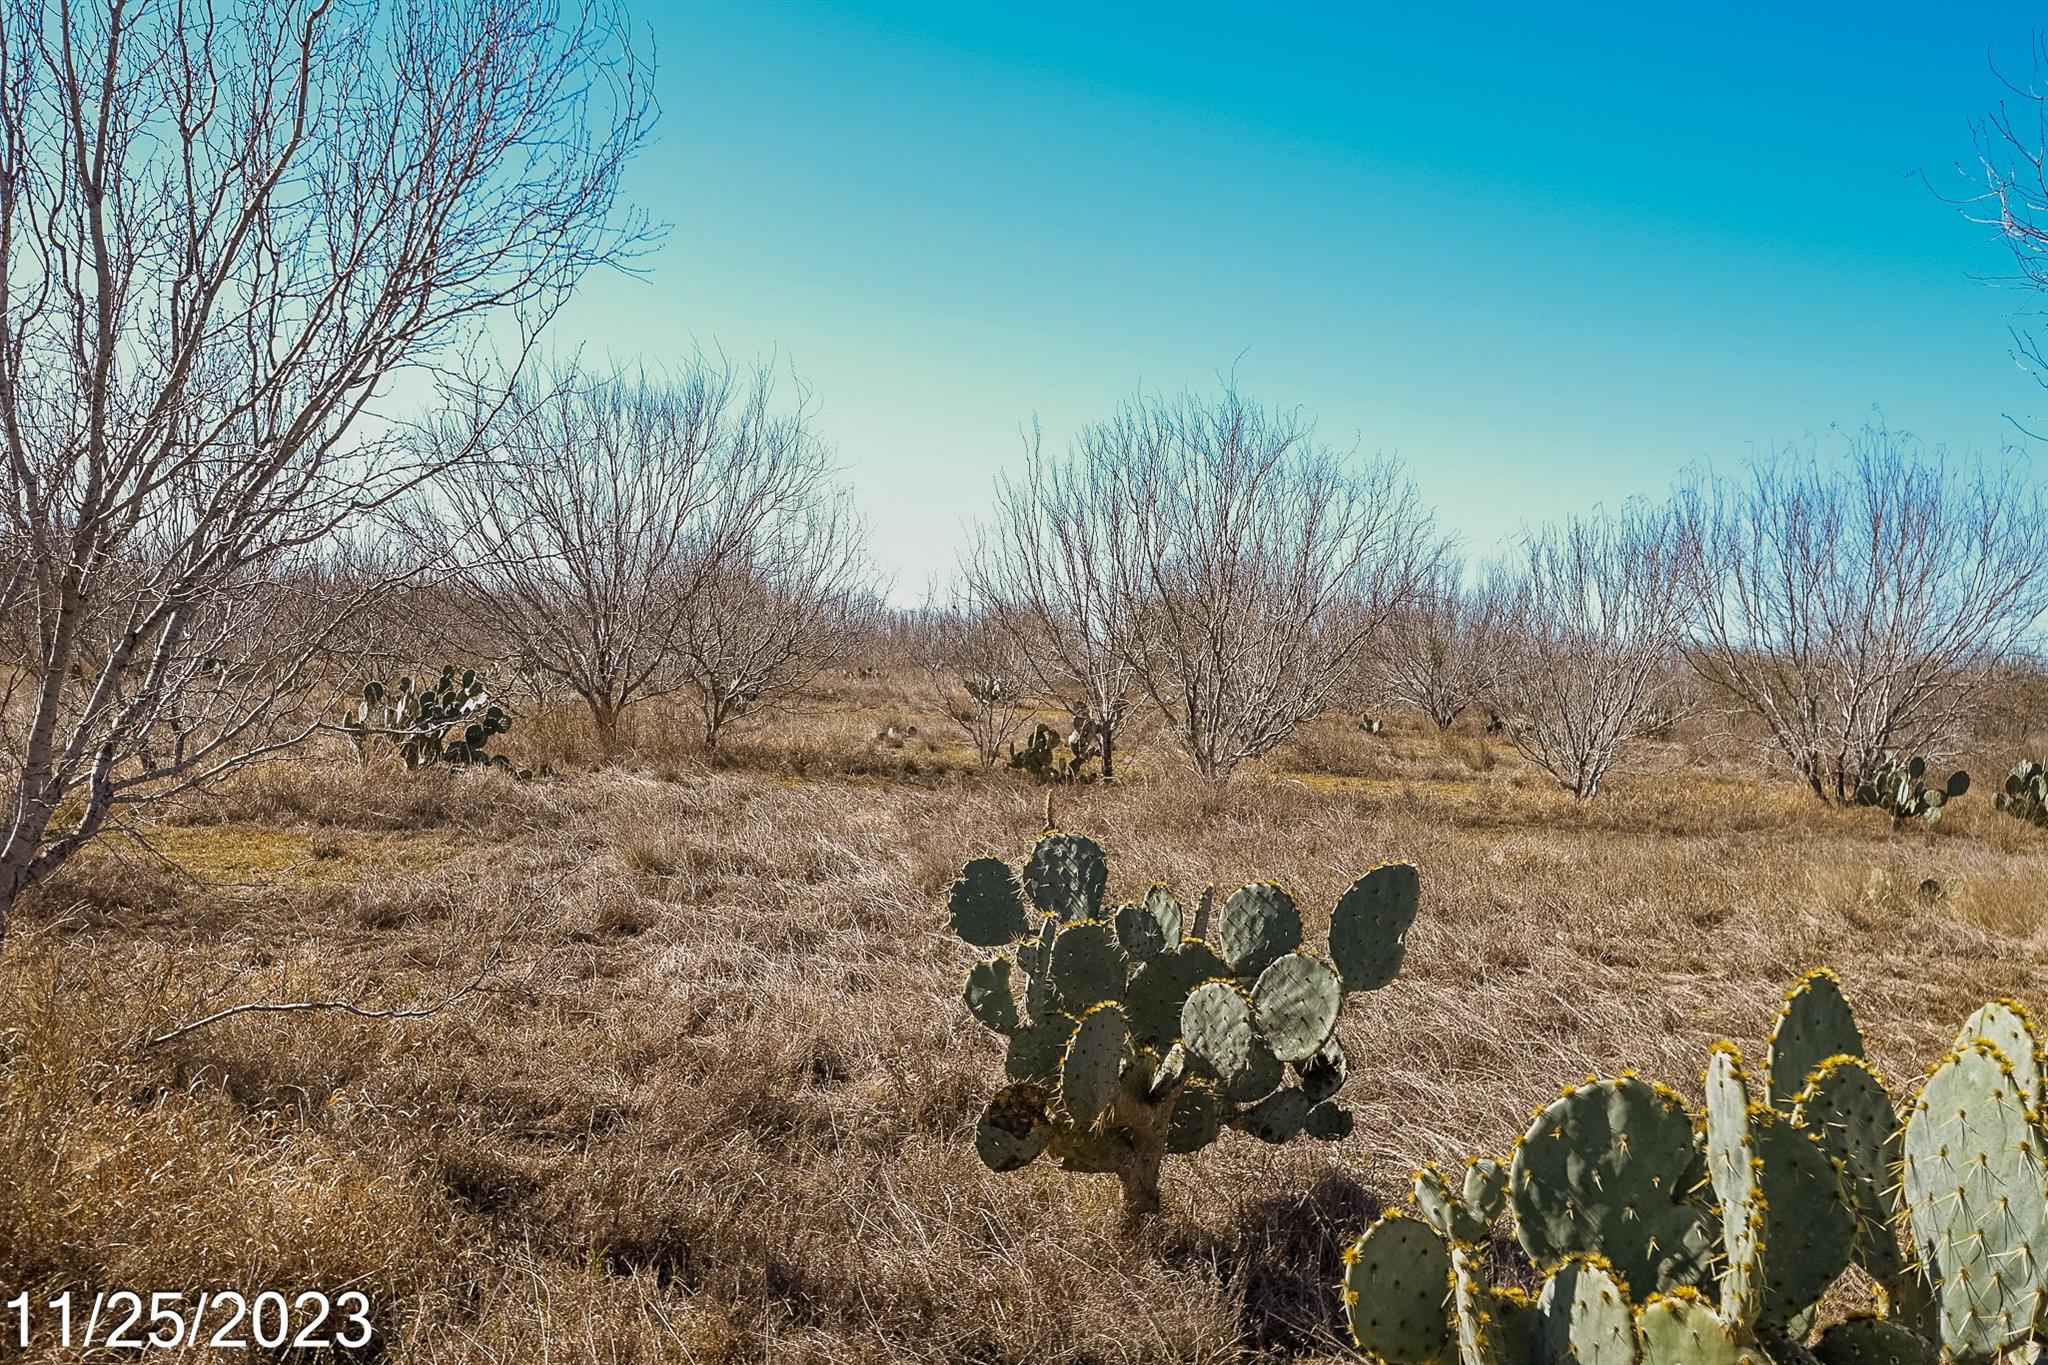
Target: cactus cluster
x=2026, y=793
x=1149, y=1027
x=1042, y=754
x=1671, y=1239
x=1898, y=787
x=443, y=719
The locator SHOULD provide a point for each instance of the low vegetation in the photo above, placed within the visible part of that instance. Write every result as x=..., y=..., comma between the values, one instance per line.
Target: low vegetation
x=717, y=1036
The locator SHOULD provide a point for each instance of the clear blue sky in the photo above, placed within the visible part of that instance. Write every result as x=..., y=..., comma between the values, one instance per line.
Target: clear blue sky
x=1546, y=255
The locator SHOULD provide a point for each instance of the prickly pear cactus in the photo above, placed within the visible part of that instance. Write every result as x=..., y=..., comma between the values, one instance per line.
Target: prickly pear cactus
x=1787, y=1229
x=1468, y=1211
x=1611, y=1178
x=1899, y=787
x=2026, y=793
x=1815, y=1024
x=1976, y=1192
x=447, y=719
x=1610, y=1169
x=1129, y=1038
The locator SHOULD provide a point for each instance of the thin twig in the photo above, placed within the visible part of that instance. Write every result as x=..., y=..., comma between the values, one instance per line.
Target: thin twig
x=469, y=988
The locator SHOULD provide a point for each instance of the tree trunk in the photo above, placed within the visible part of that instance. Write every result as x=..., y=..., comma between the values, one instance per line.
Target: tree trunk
x=604, y=716
x=1106, y=733
x=1138, y=1173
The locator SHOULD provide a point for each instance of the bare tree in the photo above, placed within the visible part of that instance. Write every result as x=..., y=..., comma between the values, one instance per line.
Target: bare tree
x=792, y=600
x=975, y=676
x=1593, y=614
x=1435, y=652
x=1258, y=563
x=605, y=508
x=1862, y=606
x=225, y=231
x=2012, y=160
x=1045, y=571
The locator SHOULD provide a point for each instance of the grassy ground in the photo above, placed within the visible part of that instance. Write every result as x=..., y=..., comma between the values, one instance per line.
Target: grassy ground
x=713, y=1097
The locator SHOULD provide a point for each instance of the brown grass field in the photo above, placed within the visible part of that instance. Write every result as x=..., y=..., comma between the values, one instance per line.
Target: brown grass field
x=714, y=1099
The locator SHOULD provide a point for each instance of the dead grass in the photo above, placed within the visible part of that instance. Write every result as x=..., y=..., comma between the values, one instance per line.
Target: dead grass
x=716, y=1102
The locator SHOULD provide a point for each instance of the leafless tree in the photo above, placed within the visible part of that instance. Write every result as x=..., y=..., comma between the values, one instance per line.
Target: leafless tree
x=975, y=675
x=1861, y=605
x=606, y=508
x=1593, y=613
x=1045, y=571
x=1258, y=563
x=2012, y=162
x=1435, y=652
x=227, y=233
x=793, y=598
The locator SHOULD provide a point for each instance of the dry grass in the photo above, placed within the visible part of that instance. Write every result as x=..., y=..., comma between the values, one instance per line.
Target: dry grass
x=716, y=1102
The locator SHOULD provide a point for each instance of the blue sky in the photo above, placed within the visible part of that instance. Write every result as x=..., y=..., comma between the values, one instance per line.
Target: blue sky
x=1546, y=255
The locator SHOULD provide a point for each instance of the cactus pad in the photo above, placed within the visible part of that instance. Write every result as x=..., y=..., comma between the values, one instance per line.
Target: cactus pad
x=1584, y=1318
x=1680, y=1329
x=1035, y=1050
x=1397, y=1279
x=1160, y=988
x=1323, y=1074
x=1295, y=1002
x=1258, y=923
x=1014, y=1128
x=1328, y=1122
x=989, y=995
x=1087, y=966
x=1216, y=1024
x=1486, y=1189
x=2005, y=1024
x=1440, y=1207
x=1607, y=1169
x=1467, y=1211
x=1872, y=1341
x=1369, y=926
x=1785, y=1226
x=1846, y=1109
x=1137, y=932
x=1093, y=1064
x=1975, y=1189
x=1165, y=912
x=1815, y=1024
x=1490, y=1332
x=1066, y=875
x=1279, y=1117
x=985, y=905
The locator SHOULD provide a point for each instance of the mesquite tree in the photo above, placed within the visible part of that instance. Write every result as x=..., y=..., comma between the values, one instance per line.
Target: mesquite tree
x=792, y=600
x=1593, y=612
x=227, y=233
x=975, y=675
x=1860, y=606
x=1050, y=570
x=1435, y=653
x=1258, y=563
x=607, y=506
